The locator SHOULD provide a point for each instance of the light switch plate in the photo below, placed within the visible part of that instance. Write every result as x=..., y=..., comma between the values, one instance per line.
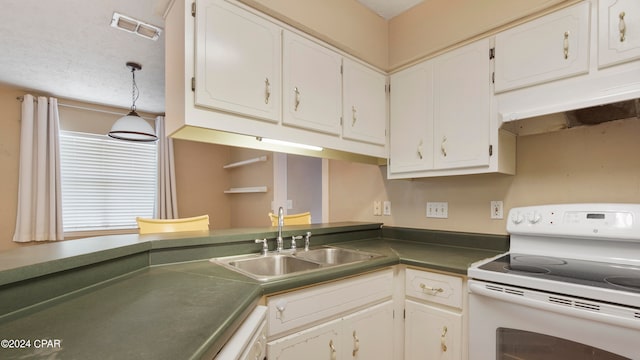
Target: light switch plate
x=439, y=210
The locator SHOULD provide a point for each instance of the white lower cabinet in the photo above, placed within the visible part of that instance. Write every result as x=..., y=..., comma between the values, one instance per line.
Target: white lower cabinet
x=365, y=334
x=434, y=316
x=346, y=319
x=431, y=332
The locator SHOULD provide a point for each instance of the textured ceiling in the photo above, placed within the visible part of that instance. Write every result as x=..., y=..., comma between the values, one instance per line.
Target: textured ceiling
x=66, y=48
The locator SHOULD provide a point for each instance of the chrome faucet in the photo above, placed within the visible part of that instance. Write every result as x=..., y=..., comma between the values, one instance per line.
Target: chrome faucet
x=279, y=241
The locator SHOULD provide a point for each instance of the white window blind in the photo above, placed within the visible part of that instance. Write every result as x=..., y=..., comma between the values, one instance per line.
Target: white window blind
x=106, y=183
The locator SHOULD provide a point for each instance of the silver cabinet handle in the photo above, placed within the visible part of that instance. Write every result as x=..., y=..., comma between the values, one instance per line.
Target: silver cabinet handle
x=353, y=115
x=333, y=350
x=420, y=150
x=566, y=44
x=433, y=290
x=356, y=344
x=443, y=339
x=443, y=148
x=297, y=99
x=267, y=90
x=622, y=26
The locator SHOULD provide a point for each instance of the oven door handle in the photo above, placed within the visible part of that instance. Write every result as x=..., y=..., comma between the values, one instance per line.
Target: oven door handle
x=480, y=289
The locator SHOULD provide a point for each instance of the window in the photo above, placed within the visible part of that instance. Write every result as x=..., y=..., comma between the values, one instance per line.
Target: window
x=106, y=183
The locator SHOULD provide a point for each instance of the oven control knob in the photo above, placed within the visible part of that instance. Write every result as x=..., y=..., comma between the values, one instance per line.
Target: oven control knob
x=517, y=218
x=534, y=218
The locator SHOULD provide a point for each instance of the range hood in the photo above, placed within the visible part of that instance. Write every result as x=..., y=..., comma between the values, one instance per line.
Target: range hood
x=569, y=119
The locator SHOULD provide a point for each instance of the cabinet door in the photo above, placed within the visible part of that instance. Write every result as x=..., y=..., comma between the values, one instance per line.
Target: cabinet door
x=549, y=48
x=238, y=61
x=317, y=343
x=619, y=31
x=312, y=85
x=411, y=119
x=364, y=103
x=368, y=334
x=432, y=333
x=461, y=106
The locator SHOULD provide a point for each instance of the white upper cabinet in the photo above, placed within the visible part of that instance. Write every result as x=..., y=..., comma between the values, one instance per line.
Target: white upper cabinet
x=442, y=120
x=461, y=106
x=553, y=47
x=619, y=31
x=364, y=103
x=411, y=119
x=312, y=85
x=238, y=61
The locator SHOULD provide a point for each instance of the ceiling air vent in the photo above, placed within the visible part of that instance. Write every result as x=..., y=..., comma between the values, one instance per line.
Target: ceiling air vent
x=134, y=26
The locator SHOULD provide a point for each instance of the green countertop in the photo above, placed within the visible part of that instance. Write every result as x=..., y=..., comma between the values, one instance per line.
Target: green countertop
x=185, y=310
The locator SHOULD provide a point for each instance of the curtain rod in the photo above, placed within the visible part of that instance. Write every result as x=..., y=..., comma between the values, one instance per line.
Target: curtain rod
x=21, y=98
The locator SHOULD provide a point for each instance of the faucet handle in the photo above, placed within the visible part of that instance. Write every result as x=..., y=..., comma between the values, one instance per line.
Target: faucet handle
x=265, y=247
x=293, y=241
x=307, y=240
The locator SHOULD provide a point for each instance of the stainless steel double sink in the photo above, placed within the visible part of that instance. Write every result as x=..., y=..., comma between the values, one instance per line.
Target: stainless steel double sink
x=276, y=265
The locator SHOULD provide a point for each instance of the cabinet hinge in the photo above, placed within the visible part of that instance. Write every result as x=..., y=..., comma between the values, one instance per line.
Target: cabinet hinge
x=493, y=77
x=341, y=122
x=193, y=9
x=492, y=53
x=193, y=84
x=404, y=313
x=341, y=69
x=490, y=150
x=387, y=88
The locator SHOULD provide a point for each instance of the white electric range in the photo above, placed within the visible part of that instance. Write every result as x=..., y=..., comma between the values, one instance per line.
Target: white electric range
x=569, y=288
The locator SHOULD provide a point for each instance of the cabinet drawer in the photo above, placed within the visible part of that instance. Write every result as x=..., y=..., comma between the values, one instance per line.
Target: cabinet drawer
x=433, y=287
x=307, y=306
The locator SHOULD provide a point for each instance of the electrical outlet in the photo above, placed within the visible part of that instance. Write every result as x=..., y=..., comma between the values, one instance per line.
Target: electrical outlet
x=496, y=210
x=438, y=210
x=386, y=208
x=377, y=208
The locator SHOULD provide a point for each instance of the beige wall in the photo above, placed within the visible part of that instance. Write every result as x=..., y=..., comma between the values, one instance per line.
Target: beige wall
x=200, y=181
x=9, y=162
x=586, y=164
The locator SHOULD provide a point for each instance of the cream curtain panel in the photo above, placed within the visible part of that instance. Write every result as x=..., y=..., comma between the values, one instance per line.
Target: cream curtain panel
x=167, y=203
x=39, y=216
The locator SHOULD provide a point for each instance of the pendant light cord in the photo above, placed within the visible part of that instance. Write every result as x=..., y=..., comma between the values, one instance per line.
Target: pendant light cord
x=135, y=93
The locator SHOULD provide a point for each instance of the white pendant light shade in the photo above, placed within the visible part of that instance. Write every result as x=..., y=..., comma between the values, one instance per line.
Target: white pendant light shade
x=132, y=127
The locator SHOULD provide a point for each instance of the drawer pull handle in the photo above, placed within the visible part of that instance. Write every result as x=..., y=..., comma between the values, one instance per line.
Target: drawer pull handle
x=356, y=344
x=443, y=339
x=431, y=289
x=333, y=350
x=281, y=306
x=566, y=45
x=420, y=150
x=622, y=26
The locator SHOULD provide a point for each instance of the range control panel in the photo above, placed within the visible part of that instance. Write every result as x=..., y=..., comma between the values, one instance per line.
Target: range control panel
x=620, y=221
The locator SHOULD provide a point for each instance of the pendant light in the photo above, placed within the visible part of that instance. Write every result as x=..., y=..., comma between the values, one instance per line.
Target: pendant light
x=132, y=127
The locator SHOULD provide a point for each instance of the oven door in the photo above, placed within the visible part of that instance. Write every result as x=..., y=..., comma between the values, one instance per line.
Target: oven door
x=507, y=322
